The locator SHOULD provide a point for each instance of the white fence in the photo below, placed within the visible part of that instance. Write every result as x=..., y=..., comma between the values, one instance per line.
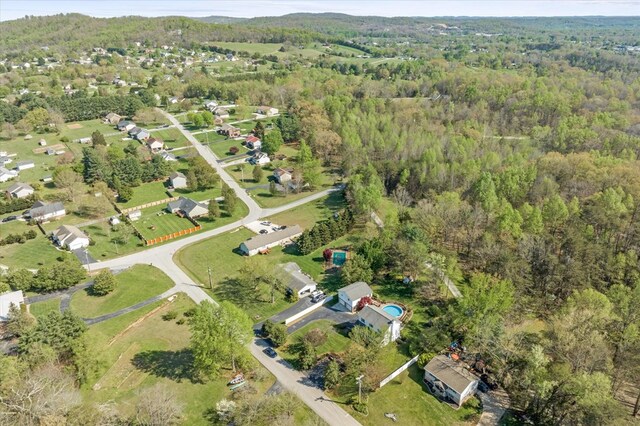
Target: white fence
x=398, y=371
x=310, y=309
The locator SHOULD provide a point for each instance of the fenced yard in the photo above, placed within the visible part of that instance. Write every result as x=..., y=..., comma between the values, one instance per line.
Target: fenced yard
x=156, y=222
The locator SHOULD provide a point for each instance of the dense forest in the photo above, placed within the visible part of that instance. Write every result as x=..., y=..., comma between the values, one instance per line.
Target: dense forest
x=512, y=162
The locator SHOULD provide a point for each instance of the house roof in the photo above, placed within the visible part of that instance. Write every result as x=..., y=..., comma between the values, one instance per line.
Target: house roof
x=187, y=205
x=451, y=373
x=252, y=139
x=24, y=163
x=177, y=175
x=299, y=280
x=69, y=233
x=7, y=299
x=135, y=130
x=4, y=171
x=124, y=123
x=357, y=290
x=41, y=208
x=151, y=141
x=19, y=186
x=272, y=237
x=376, y=316
x=281, y=172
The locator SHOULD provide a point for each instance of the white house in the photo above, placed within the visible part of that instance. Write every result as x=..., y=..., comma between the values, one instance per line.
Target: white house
x=178, y=180
x=448, y=379
x=41, y=211
x=349, y=296
x=260, y=158
x=6, y=174
x=188, y=207
x=4, y=159
x=282, y=176
x=267, y=110
x=70, y=237
x=263, y=242
x=167, y=156
x=380, y=321
x=221, y=113
x=299, y=282
x=134, y=215
x=7, y=299
x=24, y=165
x=253, y=142
x=20, y=190
x=154, y=144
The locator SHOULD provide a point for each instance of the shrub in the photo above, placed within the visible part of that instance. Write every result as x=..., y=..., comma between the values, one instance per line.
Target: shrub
x=361, y=408
x=316, y=337
x=104, y=283
x=171, y=315
x=278, y=334
x=234, y=150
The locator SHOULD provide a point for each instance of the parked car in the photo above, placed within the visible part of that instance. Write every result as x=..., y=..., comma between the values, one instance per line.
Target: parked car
x=270, y=352
x=318, y=297
x=9, y=218
x=264, y=231
x=265, y=223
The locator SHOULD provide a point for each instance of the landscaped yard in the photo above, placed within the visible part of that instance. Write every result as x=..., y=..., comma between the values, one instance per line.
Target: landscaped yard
x=135, y=285
x=171, y=137
x=157, y=222
x=106, y=241
x=33, y=254
x=146, y=193
x=336, y=342
x=41, y=309
x=135, y=354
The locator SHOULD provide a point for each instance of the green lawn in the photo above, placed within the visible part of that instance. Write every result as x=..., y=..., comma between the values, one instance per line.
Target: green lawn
x=221, y=148
x=171, y=137
x=104, y=236
x=146, y=193
x=41, y=309
x=156, y=222
x=135, y=285
x=156, y=351
x=33, y=254
x=336, y=342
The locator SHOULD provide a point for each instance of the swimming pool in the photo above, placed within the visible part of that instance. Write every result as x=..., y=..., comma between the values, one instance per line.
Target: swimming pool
x=339, y=257
x=394, y=310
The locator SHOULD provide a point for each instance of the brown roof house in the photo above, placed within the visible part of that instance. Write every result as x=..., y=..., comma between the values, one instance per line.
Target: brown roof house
x=449, y=380
x=263, y=242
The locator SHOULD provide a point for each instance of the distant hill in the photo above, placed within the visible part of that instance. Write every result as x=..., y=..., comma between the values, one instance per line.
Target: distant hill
x=220, y=19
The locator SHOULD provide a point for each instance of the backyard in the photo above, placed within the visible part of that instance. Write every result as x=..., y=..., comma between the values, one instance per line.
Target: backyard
x=134, y=285
x=157, y=222
x=146, y=193
x=109, y=241
x=33, y=254
x=335, y=343
x=140, y=349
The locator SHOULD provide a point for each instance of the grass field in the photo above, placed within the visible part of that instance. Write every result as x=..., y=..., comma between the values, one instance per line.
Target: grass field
x=261, y=48
x=33, y=254
x=146, y=193
x=41, y=309
x=156, y=351
x=135, y=285
x=104, y=235
x=156, y=222
x=171, y=137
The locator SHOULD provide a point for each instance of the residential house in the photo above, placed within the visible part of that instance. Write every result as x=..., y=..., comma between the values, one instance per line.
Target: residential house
x=7, y=299
x=134, y=215
x=70, y=237
x=143, y=135
x=178, y=180
x=188, y=207
x=349, y=296
x=154, y=144
x=167, y=156
x=4, y=159
x=230, y=131
x=382, y=322
x=211, y=105
x=112, y=118
x=282, y=175
x=24, y=165
x=253, y=142
x=19, y=190
x=299, y=283
x=260, y=158
x=449, y=380
x=263, y=242
x=267, y=110
x=85, y=140
x=6, y=174
x=221, y=113
x=41, y=211
x=125, y=125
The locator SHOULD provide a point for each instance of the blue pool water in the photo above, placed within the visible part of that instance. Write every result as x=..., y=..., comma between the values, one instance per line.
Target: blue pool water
x=339, y=257
x=394, y=310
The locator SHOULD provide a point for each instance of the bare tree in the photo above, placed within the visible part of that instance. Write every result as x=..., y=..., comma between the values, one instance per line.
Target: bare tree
x=158, y=406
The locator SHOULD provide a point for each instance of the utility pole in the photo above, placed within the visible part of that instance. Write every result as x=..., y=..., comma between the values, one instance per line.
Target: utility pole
x=359, y=380
x=210, y=283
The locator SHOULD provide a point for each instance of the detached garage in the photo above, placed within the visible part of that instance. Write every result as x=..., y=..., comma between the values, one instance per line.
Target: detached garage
x=262, y=243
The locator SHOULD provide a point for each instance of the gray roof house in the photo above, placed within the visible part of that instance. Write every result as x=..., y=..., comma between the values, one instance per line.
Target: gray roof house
x=178, y=180
x=125, y=125
x=6, y=174
x=70, y=237
x=263, y=242
x=142, y=134
x=20, y=190
x=349, y=296
x=41, y=211
x=449, y=379
x=7, y=299
x=381, y=321
x=299, y=283
x=188, y=207
x=134, y=132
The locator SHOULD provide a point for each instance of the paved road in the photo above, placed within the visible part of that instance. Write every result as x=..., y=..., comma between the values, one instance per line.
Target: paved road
x=170, y=292
x=297, y=383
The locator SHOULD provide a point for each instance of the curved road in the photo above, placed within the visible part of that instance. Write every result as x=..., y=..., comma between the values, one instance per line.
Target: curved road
x=162, y=258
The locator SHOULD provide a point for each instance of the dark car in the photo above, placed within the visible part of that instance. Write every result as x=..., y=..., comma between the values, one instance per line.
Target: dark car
x=264, y=231
x=9, y=218
x=270, y=352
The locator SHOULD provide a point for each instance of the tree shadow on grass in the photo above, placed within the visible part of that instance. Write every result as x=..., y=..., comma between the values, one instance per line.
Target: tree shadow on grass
x=174, y=365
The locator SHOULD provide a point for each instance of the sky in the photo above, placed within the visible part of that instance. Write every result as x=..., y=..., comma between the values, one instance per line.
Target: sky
x=13, y=9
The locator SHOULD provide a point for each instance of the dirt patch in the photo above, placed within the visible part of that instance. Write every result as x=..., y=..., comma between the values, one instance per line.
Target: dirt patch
x=56, y=147
x=75, y=126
